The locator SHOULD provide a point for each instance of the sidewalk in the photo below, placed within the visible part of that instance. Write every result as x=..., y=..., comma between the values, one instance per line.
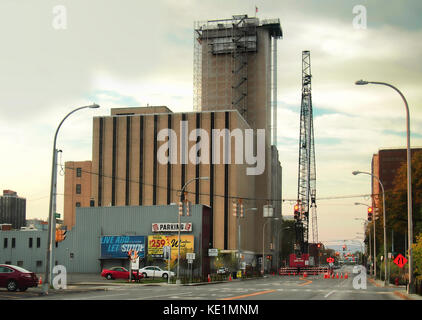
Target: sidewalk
x=401, y=291
x=78, y=282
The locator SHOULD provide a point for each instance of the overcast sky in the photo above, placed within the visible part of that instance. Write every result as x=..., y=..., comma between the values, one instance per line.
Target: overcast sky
x=134, y=53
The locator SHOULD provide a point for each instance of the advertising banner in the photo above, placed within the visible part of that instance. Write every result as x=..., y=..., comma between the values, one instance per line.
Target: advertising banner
x=157, y=242
x=115, y=247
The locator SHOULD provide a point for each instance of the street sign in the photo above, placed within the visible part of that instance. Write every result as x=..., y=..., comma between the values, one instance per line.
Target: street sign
x=166, y=252
x=330, y=260
x=135, y=264
x=190, y=256
x=400, y=260
x=213, y=252
x=57, y=215
x=190, y=261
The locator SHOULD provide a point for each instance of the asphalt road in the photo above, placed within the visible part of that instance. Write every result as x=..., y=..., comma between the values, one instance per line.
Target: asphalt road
x=268, y=288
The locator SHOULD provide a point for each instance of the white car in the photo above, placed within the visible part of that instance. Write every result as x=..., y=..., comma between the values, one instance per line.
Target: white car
x=156, y=272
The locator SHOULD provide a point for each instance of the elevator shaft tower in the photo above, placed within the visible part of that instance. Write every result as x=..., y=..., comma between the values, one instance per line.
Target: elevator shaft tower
x=306, y=193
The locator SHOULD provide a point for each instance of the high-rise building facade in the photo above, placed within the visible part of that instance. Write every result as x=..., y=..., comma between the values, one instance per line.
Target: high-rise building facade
x=12, y=209
x=77, y=189
x=384, y=165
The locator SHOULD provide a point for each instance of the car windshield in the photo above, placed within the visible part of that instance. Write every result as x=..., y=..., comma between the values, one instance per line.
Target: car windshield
x=21, y=269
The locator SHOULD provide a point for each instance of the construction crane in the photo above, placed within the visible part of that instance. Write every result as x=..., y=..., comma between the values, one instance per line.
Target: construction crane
x=306, y=192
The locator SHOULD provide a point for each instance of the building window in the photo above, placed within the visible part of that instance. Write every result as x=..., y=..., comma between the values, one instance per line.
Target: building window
x=20, y=263
x=39, y=263
x=38, y=242
x=78, y=189
x=5, y=243
x=13, y=242
x=30, y=242
x=78, y=172
x=78, y=204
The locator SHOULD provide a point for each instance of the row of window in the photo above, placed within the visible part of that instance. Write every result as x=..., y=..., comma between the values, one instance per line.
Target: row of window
x=30, y=242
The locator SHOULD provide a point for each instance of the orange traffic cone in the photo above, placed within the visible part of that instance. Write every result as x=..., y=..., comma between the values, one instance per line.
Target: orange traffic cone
x=341, y=275
x=230, y=277
x=209, y=278
x=336, y=275
x=40, y=282
x=305, y=275
x=346, y=276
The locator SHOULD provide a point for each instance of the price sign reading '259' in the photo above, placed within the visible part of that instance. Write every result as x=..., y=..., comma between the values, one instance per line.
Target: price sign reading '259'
x=157, y=242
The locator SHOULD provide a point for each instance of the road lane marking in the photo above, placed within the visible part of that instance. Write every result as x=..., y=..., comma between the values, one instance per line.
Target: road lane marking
x=306, y=283
x=248, y=295
x=166, y=295
x=329, y=293
x=401, y=295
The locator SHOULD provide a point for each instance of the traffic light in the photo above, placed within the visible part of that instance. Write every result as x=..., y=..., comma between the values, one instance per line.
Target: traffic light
x=180, y=208
x=60, y=235
x=370, y=211
x=318, y=245
x=187, y=207
x=234, y=209
x=296, y=211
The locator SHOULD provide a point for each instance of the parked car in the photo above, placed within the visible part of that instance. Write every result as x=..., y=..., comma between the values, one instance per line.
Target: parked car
x=120, y=273
x=223, y=270
x=154, y=271
x=14, y=277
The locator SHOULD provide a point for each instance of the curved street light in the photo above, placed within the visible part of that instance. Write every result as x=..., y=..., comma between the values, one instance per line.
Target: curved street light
x=375, y=245
x=239, y=217
x=411, y=287
x=263, y=242
x=51, y=218
x=384, y=222
x=178, y=223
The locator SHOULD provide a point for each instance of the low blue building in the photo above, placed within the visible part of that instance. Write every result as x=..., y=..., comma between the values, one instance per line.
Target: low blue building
x=102, y=237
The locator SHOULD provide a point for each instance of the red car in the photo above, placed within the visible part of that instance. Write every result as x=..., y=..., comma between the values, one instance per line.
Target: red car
x=13, y=278
x=119, y=273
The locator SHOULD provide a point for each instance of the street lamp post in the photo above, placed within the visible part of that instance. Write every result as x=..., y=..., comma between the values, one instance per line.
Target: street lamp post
x=239, y=216
x=52, y=204
x=375, y=244
x=384, y=222
x=178, y=223
x=410, y=288
x=369, y=238
x=263, y=244
x=281, y=243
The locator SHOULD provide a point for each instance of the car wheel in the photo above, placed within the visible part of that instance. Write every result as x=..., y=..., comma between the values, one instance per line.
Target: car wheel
x=145, y=275
x=165, y=275
x=23, y=289
x=12, y=285
x=109, y=277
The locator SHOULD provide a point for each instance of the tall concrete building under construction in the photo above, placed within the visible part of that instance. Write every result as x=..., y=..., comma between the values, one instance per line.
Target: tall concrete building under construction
x=234, y=88
x=235, y=67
